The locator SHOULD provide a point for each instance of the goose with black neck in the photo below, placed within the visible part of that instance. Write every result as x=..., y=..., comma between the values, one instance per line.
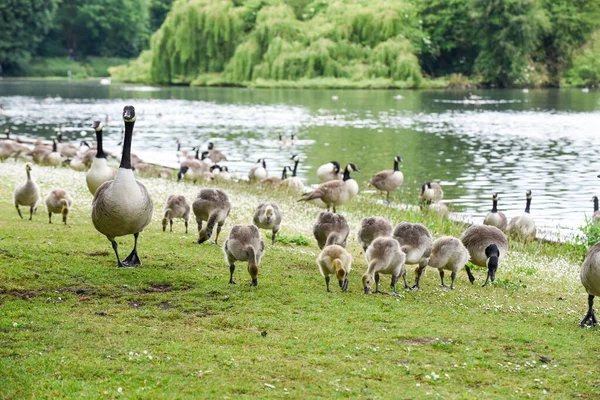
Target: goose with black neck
x=99, y=172
x=123, y=206
x=335, y=193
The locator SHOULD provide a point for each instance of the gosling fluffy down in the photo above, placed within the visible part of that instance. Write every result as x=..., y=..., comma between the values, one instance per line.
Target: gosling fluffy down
x=213, y=206
x=336, y=260
x=177, y=206
x=58, y=201
x=331, y=229
x=487, y=246
x=415, y=241
x=372, y=228
x=384, y=256
x=448, y=253
x=244, y=244
x=268, y=216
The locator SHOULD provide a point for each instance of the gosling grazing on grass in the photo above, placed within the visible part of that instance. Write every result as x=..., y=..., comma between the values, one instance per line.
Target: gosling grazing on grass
x=388, y=180
x=244, y=244
x=53, y=158
x=259, y=171
x=384, y=256
x=27, y=194
x=214, y=154
x=331, y=229
x=335, y=193
x=58, y=202
x=268, y=216
x=448, y=253
x=336, y=260
x=590, y=279
x=372, y=228
x=487, y=246
x=99, y=172
x=293, y=183
x=431, y=192
x=596, y=214
x=213, y=206
x=415, y=241
x=123, y=206
x=494, y=217
x=177, y=206
x=329, y=172
x=524, y=225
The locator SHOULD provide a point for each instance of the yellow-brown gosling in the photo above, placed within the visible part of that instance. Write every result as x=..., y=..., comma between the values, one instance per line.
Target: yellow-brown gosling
x=177, y=206
x=372, y=228
x=58, y=201
x=123, y=206
x=448, y=253
x=388, y=180
x=244, y=244
x=331, y=229
x=213, y=206
x=268, y=216
x=487, y=246
x=384, y=256
x=494, y=217
x=336, y=260
x=27, y=194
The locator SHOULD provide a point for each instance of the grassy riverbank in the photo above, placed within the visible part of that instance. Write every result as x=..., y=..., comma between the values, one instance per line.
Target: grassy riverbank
x=74, y=325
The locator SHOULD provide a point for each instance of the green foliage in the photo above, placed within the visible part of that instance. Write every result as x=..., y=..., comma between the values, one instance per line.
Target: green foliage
x=23, y=25
x=157, y=12
x=585, y=70
x=60, y=67
x=589, y=235
x=300, y=240
x=136, y=71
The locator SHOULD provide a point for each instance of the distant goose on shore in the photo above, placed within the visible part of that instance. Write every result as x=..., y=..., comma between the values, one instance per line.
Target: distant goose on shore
x=431, y=192
x=487, y=246
x=53, y=158
x=275, y=180
x=27, y=194
x=388, y=180
x=524, y=225
x=329, y=172
x=335, y=193
x=259, y=171
x=192, y=169
x=335, y=260
x=123, y=206
x=293, y=183
x=58, y=202
x=596, y=214
x=494, y=217
x=99, y=172
x=244, y=244
x=215, y=155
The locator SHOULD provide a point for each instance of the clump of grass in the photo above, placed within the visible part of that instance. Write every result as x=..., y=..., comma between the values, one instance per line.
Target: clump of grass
x=589, y=235
x=299, y=239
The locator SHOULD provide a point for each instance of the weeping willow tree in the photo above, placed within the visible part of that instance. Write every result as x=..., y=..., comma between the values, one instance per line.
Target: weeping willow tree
x=275, y=40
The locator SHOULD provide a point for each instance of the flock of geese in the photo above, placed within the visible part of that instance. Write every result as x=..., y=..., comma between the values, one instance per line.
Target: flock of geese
x=122, y=206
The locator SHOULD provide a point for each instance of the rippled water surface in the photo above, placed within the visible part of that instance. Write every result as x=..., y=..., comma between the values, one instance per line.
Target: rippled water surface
x=509, y=141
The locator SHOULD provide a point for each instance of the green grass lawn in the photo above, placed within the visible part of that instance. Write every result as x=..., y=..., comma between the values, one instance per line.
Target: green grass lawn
x=73, y=325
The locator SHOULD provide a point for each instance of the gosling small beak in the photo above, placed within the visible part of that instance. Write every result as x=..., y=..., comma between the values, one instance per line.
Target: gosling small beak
x=268, y=220
x=366, y=290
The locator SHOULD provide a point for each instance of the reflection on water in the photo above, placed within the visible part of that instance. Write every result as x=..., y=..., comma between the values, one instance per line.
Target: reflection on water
x=505, y=141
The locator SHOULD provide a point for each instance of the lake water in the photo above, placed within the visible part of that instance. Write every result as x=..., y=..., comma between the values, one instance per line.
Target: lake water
x=509, y=141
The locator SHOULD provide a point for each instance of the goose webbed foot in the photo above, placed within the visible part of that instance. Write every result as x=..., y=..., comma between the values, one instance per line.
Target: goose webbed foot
x=590, y=317
x=254, y=282
x=132, y=260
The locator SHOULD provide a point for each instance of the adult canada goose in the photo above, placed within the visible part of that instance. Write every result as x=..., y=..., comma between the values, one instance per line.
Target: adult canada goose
x=258, y=172
x=372, y=228
x=192, y=169
x=335, y=193
x=214, y=154
x=431, y=192
x=9, y=148
x=27, y=194
x=329, y=172
x=293, y=183
x=275, y=180
x=384, y=256
x=336, y=260
x=39, y=152
x=221, y=173
x=123, y=206
x=213, y=206
x=65, y=149
x=590, y=279
x=487, y=246
x=331, y=229
x=58, y=202
x=99, y=172
x=206, y=158
x=53, y=159
x=439, y=208
x=183, y=153
x=496, y=218
x=388, y=180
x=268, y=216
x=596, y=214
x=448, y=253
x=244, y=244
x=177, y=206
x=524, y=225
x=415, y=241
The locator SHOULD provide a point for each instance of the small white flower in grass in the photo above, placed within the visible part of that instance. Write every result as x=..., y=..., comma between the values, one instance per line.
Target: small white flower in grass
x=120, y=390
x=269, y=386
x=145, y=351
x=434, y=375
x=427, y=377
x=15, y=324
x=418, y=384
x=149, y=357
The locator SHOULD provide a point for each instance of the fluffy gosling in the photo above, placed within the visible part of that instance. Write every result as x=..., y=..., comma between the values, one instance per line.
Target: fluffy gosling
x=448, y=253
x=331, y=229
x=58, y=202
x=177, y=206
x=336, y=260
x=384, y=256
x=244, y=244
x=213, y=206
x=268, y=216
x=372, y=228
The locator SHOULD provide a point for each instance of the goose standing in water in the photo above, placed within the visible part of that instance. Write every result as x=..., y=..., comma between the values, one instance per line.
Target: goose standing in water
x=431, y=192
x=335, y=193
x=496, y=218
x=123, y=206
x=524, y=224
x=27, y=194
x=58, y=202
x=99, y=172
x=388, y=180
x=329, y=172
